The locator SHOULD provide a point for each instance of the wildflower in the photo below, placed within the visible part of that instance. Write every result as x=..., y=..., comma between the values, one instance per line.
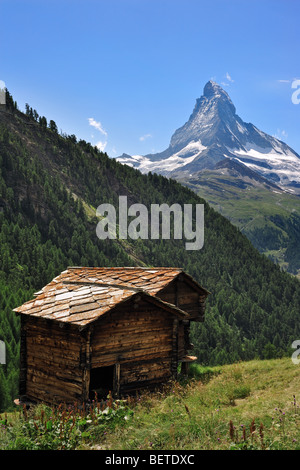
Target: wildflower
x=231, y=430
x=252, y=427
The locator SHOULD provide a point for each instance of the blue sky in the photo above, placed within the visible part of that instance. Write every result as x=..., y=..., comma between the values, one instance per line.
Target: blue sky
x=125, y=74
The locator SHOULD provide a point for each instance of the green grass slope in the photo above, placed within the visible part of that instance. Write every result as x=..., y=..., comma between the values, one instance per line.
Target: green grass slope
x=259, y=398
x=248, y=405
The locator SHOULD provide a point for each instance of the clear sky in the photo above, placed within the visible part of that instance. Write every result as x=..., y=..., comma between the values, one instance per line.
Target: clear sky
x=125, y=74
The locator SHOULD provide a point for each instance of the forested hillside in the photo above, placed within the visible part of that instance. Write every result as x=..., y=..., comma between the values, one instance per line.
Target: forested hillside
x=50, y=187
x=269, y=217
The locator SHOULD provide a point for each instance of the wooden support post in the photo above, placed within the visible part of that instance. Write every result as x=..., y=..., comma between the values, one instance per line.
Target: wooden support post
x=174, y=361
x=117, y=374
x=185, y=368
x=176, y=293
x=85, y=362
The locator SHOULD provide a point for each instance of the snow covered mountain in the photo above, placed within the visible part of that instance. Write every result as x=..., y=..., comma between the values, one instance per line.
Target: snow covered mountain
x=213, y=134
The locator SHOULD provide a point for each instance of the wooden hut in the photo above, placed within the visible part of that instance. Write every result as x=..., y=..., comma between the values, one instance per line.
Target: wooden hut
x=101, y=329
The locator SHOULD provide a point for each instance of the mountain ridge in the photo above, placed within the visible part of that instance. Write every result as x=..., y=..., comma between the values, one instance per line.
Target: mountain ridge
x=213, y=132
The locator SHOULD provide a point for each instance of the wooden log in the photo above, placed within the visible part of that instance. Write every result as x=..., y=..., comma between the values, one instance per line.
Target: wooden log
x=52, y=395
x=66, y=356
x=139, y=385
x=54, y=388
x=134, y=341
x=143, y=373
x=134, y=353
x=35, y=342
x=141, y=324
x=128, y=356
x=65, y=375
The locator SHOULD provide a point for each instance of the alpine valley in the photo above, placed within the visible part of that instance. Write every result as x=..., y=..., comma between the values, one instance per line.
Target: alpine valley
x=50, y=186
x=248, y=176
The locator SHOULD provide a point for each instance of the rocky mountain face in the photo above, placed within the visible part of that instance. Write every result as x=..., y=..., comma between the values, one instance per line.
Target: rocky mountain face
x=213, y=134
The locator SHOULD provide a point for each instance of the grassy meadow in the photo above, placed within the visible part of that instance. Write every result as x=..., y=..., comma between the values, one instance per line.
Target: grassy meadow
x=249, y=405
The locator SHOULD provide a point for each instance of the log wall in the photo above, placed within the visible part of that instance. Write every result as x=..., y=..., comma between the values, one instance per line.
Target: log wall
x=139, y=337
x=51, y=368
x=184, y=296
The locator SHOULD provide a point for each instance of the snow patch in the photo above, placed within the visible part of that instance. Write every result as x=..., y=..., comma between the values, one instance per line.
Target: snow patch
x=175, y=161
x=285, y=164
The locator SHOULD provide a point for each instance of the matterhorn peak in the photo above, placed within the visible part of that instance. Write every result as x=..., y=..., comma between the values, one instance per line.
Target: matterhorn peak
x=213, y=91
x=212, y=88
x=215, y=132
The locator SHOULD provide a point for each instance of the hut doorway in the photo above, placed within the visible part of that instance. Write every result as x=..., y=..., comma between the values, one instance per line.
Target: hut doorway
x=101, y=381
